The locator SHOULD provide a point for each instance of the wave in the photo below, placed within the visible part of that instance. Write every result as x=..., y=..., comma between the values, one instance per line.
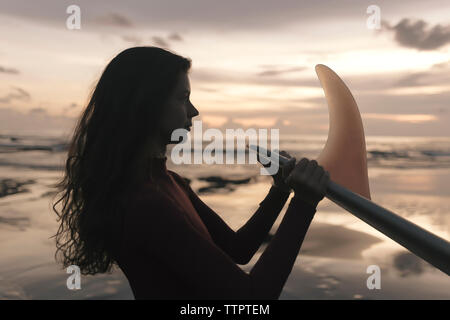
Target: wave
x=48, y=153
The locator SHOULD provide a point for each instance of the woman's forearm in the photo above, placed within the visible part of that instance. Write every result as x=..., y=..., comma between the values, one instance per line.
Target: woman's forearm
x=272, y=269
x=251, y=235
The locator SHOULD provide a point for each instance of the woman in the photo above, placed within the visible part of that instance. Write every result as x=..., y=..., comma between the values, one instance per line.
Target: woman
x=121, y=206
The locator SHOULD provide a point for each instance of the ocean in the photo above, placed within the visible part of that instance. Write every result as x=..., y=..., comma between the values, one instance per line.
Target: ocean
x=407, y=175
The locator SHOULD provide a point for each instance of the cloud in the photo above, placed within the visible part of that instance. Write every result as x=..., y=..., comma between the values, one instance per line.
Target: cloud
x=133, y=39
x=115, y=20
x=438, y=74
x=415, y=34
x=201, y=15
x=277, y=72
x=38, y=111
x=198, y=14
x=218, y=76
x=35, y=121
x=442, y=65
x=67, y=109
x=410, y=118
x=384, y=112
x=213, y=16
x=407, y=264
x=16, y=94
x=379, y=102
x=376, y=83
x=175, y=37
x=159, y=41
x=411, y=80
x=9, y=70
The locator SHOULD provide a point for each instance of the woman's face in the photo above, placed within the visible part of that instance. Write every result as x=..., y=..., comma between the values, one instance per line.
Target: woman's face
x=179, y=110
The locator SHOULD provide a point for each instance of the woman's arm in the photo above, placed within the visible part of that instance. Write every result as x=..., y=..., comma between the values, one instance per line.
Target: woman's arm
x=253, y=233
x=242, y=244
x=207, y=271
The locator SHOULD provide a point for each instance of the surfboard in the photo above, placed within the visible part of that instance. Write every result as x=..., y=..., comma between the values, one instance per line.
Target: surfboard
x=344, y=155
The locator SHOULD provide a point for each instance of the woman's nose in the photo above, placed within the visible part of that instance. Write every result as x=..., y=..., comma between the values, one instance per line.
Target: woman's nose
x=193, y=111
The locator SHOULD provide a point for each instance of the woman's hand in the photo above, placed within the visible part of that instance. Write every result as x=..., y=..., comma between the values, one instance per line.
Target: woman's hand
x=309, y=181
x=283, y=172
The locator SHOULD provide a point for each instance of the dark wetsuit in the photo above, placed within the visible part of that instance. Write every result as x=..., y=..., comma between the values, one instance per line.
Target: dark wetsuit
x=176, y=247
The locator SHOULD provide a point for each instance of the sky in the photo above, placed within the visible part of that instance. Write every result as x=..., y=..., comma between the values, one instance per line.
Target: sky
x=252, y=61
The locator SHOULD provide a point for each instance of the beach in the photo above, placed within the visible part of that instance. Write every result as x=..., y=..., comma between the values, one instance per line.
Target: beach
x=409, y=176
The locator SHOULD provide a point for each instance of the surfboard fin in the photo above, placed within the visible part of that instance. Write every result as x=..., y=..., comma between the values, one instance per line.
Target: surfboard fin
x=344, y=155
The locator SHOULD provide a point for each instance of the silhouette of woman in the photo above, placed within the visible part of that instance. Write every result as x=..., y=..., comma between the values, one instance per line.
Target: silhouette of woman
x=121, y=206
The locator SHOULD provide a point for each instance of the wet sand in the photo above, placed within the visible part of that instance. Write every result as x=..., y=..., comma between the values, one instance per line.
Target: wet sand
x=332, y=263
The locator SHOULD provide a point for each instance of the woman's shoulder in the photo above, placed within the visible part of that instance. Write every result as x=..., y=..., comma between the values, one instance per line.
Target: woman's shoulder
x=185, y=182
x=153, y=194
x=174, y=174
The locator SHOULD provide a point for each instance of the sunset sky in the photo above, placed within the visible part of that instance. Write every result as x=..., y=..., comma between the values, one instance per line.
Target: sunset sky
x=253, y=61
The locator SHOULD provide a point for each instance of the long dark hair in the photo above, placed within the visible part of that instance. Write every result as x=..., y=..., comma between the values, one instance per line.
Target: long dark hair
x=108, y=154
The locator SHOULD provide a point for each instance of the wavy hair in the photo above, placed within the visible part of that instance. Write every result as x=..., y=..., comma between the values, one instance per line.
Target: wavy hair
x=108, y=154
